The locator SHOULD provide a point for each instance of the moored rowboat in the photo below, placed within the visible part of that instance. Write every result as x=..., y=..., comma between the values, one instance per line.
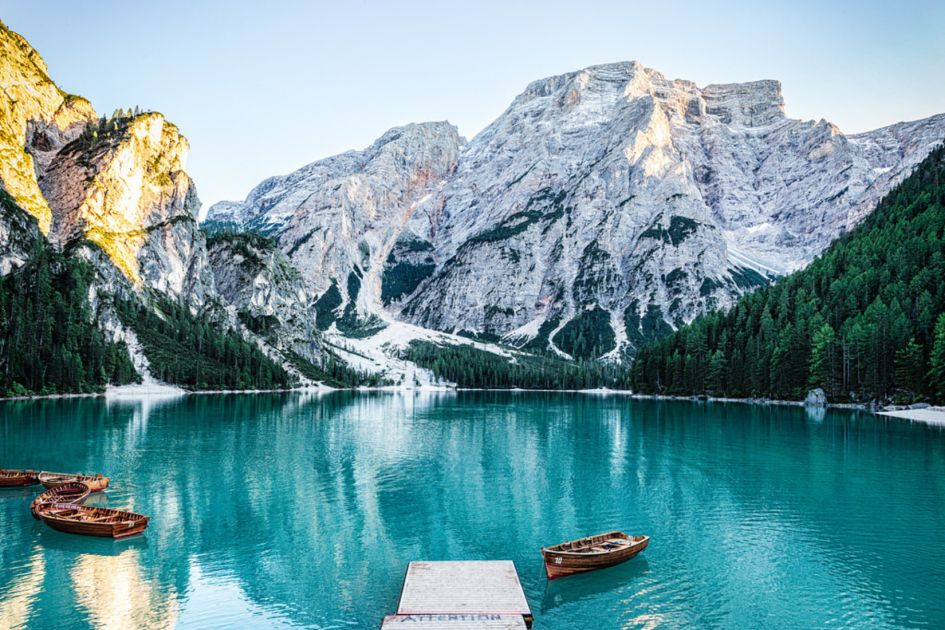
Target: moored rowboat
x=66, y=493
x=591, y=553
x=92, y=521
x=96, y=483
x=15, y=478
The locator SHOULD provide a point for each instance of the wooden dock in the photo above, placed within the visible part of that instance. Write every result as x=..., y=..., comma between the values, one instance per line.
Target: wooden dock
x=481, y=595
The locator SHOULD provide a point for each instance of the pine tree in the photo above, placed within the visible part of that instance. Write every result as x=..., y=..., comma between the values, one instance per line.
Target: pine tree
x=859, y=321
x=937, y=361
x=910, y=367
x=823, y=358
x=716, y=373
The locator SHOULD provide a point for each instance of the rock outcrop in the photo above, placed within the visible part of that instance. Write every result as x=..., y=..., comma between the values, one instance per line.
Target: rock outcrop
x=123, y=187
x=257, y=278
x=36, y=117
x=815, y=398
x=338, y=219
x=19, y=233
x=116, y=183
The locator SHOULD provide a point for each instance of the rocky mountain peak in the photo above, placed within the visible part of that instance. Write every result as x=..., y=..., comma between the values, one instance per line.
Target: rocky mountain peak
x=33, y=108
x=117, y=184
x=753, y=104
x=122, y=186
x=603, y=208
x=427, y=150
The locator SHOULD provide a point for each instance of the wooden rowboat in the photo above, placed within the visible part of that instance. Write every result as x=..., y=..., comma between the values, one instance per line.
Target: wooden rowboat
x=96, y=483
x=17, y=478
x=591, y=553
x=93, y=521
x=66, y=493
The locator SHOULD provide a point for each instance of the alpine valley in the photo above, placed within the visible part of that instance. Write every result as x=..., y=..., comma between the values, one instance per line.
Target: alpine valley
x=603, y=210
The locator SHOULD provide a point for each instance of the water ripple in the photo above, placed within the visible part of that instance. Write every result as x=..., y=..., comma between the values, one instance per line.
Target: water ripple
x=299, y=511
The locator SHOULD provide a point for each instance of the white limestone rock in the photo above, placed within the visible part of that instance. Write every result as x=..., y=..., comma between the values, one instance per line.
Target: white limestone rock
x=610, y=196
x=19, y=235
x=127, y=192
x=253, y=275
x=338, y=219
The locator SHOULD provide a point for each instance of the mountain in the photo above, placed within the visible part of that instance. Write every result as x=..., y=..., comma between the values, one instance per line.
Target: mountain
x=33, y=113
x=116, y=184
x=864, y=321
x=107, y=277
x=603, y=209
x=266, y=289
x=338, y=219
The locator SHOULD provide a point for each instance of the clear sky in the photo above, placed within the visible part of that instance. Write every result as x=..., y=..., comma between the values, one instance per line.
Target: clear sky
x=262, y=87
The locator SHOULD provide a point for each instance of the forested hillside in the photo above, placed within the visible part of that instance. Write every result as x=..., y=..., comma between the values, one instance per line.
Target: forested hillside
x=864, y=321
x=197, y=354
x=470, y=367
x=48, y=341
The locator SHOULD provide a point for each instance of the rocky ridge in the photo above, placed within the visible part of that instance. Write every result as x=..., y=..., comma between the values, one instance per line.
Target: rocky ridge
x=347, y=213
x=123, y=188
x=33, y=112
x=602, y=209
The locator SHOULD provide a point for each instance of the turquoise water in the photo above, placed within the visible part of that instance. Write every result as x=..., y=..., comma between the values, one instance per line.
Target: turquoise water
x=302, y=511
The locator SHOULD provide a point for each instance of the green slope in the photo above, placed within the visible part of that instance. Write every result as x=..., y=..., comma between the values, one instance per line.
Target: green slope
x=468, y=366
x=49, y=343
x=860, y=321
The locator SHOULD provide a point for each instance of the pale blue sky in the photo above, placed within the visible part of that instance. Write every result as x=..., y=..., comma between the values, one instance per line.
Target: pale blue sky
x=263, y=87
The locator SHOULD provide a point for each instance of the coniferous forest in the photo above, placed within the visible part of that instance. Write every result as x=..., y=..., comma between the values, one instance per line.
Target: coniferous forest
x=470, y=367
x=48, y=343
x=865, y=321
x=196, y=354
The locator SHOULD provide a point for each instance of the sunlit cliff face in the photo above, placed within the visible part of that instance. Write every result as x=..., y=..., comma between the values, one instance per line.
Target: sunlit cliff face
x=118, y=190
x=30, y=100
x=117, y=184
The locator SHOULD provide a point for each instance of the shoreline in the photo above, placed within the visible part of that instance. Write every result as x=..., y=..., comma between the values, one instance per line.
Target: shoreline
x=167, y=392
x=930, y=415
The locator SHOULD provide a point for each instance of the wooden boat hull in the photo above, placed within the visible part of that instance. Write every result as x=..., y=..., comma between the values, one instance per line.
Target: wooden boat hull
x=561, y=563
x=93, y=521
x=96, y=483
x=66, y=493
x=17, y=478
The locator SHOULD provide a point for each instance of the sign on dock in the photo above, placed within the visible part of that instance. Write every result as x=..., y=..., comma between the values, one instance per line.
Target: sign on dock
x=461, y=621
x=477, y=594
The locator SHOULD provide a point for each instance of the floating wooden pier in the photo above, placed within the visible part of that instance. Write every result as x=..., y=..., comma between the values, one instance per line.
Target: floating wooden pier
x=484, y=595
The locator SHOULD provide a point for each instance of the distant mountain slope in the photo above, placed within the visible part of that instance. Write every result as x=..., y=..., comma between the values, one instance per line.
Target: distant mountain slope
x=860, y=321
x=339, y=217
x=601, y=210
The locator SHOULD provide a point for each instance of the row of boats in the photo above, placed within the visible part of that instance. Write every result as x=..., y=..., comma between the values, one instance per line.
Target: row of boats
x=61, y=508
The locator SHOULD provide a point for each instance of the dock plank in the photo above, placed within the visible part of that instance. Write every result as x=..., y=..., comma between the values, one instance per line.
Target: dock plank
x=487, y=586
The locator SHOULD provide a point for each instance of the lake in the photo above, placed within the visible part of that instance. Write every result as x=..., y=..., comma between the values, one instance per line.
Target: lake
x=302, y=510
